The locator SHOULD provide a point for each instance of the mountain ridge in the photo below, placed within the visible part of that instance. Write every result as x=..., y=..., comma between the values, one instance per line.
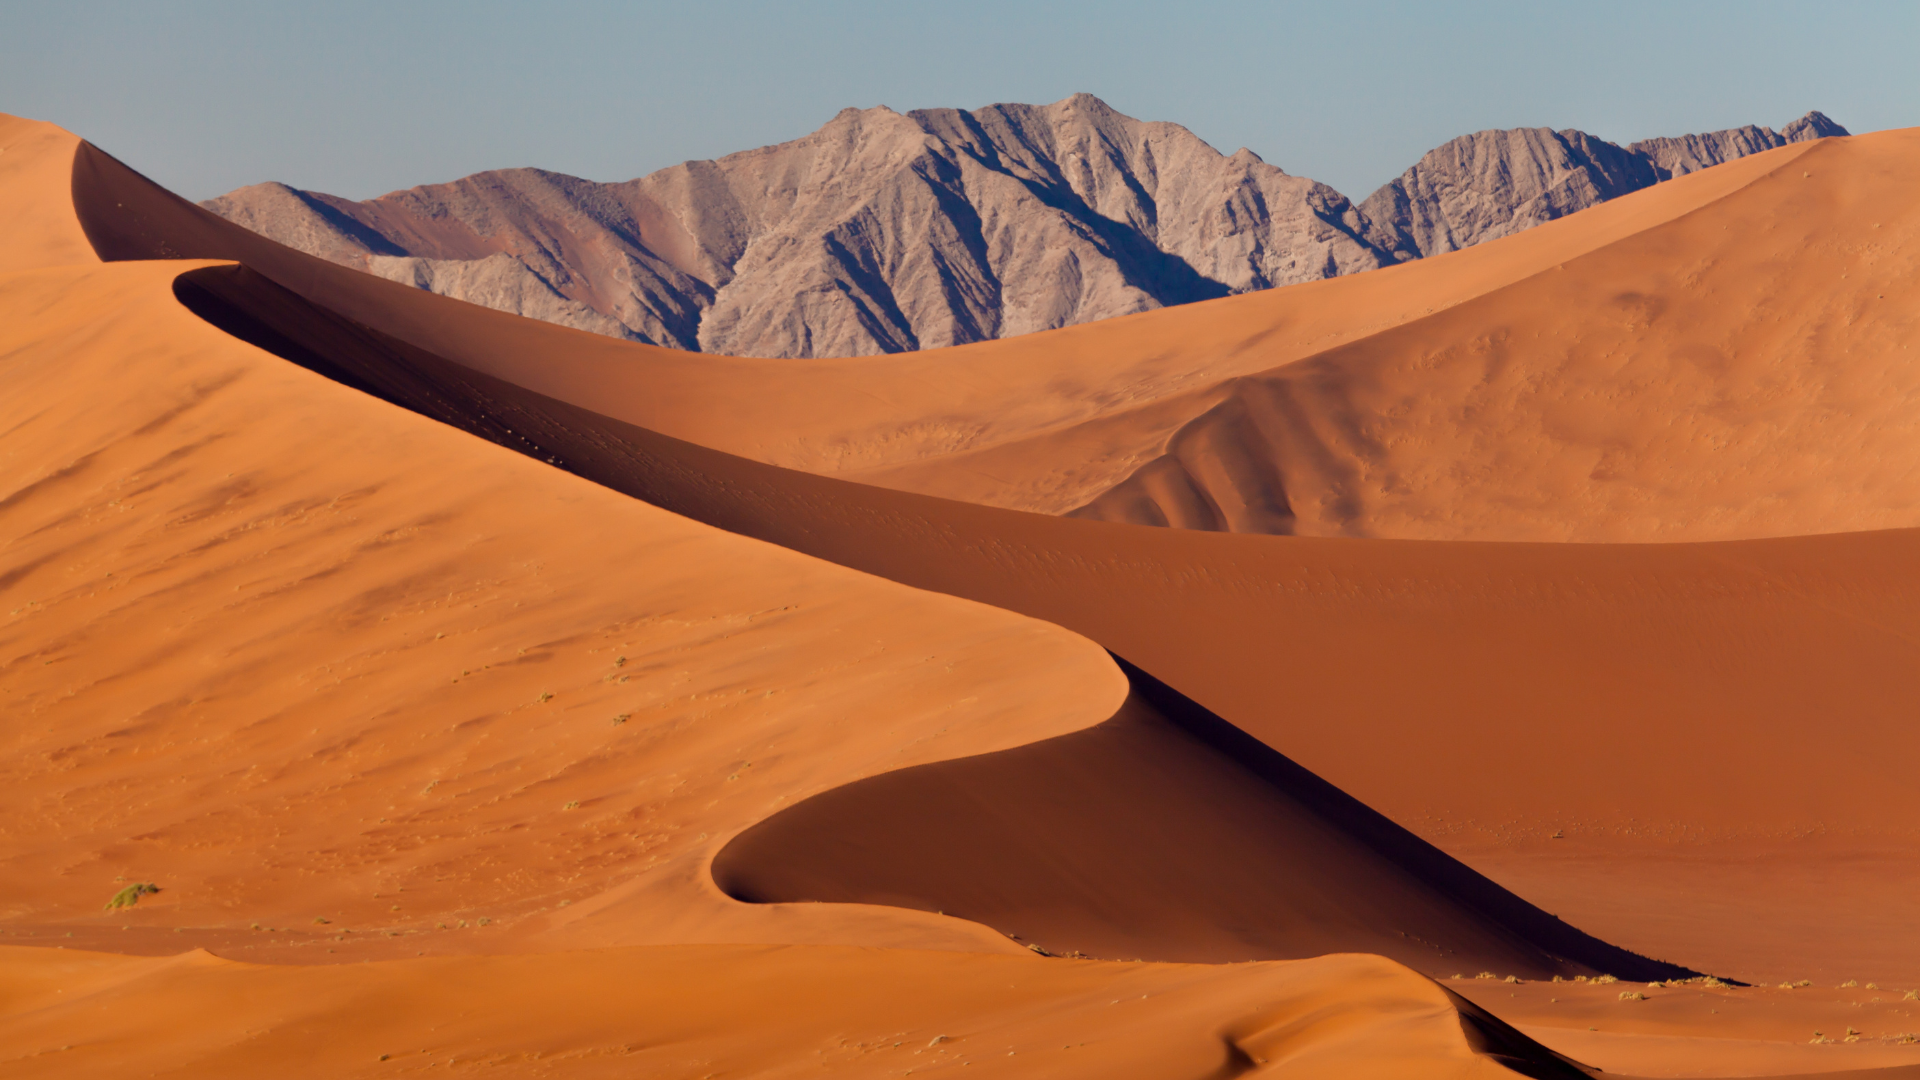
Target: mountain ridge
x=885, y=232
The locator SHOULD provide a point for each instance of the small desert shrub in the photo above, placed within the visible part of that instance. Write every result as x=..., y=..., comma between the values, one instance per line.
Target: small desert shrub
x=1849, y=982
x=1632, y=995
x=1484, y=975
x=1912, y=995
x=131, y=895
x=545, y=697
x=1605, y=979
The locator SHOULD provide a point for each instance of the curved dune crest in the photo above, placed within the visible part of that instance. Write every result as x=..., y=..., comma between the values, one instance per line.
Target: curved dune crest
x=1747, y=369
x=38, y=226
x=422, y=681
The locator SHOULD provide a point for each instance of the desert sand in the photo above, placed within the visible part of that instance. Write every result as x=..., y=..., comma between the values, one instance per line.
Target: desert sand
x=253, y=611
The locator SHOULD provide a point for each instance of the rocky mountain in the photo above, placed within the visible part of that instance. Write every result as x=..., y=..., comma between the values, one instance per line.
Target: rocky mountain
x=887, y=232
x=880, y=232
x=1678, y=156
x=1495, y=183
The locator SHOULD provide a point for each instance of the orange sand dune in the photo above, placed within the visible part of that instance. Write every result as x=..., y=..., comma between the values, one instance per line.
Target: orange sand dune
x=1747, y=369
x=297, y=655
x=706, y=1011
x=1585, y=657
x=1696, y=1031
x=1432, y=680
x=1508, y=655
x=351, y=685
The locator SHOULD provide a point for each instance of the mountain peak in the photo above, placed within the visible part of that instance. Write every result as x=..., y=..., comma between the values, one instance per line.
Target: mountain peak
x=1814, y=125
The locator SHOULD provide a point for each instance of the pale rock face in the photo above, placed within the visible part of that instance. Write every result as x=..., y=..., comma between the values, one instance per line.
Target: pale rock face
x=498, y=281
x=1494, y=183
x=880, y=232
x=1673, y=157
x=1681, y=155
x=886, y=232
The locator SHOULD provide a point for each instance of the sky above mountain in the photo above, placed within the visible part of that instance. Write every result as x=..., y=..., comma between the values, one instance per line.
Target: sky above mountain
x=359, y=98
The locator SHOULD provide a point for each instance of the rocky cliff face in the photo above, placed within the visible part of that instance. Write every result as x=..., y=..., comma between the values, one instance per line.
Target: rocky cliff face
x=1673, y=157
x=880, y=232
x=886, y=232
x=1495, y=183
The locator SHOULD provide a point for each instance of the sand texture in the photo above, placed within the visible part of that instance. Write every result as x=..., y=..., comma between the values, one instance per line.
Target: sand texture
x=399, y=642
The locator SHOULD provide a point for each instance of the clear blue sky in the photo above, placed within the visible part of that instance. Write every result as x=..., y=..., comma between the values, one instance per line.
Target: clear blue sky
x=361, y=98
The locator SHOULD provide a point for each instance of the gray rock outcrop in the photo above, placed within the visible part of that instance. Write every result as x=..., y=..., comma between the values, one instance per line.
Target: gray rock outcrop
x=880, y=232
x=1491, y=184
x=886, y=232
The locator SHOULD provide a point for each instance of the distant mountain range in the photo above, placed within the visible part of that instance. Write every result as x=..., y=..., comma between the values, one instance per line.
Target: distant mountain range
x=886, y=232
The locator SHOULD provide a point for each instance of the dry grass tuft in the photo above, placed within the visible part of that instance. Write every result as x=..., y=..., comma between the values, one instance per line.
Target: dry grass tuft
x=131, y=895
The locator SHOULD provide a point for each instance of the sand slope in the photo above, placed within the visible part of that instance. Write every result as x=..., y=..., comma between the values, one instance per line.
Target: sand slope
x=390, y=676
x=1498, y=657
x=1429, y=679
x=1747, y=369
x=702, y=1011
x=349, y=684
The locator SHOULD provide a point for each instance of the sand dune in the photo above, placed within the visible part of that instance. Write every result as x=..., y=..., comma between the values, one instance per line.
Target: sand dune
x=418, y=680
x=1744, y=370
x=1506, y=654
x=1626, y=667
x=349, y=685
x=1651, y=704
x=694, y=1011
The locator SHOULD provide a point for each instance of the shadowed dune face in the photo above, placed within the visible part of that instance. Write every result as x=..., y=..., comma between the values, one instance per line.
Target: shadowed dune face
x=1141, y=838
